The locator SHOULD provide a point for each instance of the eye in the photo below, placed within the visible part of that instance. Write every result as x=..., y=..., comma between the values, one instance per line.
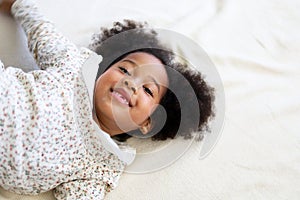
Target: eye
x=124, y=70
x=148, y=91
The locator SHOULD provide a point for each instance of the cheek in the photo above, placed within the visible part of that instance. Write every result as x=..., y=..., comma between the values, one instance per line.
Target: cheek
x=104, y=78
x=102, y=87
x=143, y=110
x=108, y=79
x=146, y=107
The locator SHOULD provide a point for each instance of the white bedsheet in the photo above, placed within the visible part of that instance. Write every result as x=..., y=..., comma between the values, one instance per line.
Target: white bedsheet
x=255, y=46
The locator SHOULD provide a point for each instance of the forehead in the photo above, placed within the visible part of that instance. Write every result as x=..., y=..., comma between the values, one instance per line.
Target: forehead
x=143, y=58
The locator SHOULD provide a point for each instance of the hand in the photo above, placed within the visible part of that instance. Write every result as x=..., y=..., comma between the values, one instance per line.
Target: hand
x=5, y=5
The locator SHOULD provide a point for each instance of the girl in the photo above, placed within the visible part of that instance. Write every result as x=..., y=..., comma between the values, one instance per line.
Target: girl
x=57, y=123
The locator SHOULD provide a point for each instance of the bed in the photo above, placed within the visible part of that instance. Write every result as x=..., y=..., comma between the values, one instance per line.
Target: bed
x=255, y=46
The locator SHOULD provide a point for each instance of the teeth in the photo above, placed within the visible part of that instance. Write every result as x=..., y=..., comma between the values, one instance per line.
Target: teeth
x=121, y=97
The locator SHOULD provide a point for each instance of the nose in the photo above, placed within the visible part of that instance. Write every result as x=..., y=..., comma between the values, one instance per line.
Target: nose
x=130, y=85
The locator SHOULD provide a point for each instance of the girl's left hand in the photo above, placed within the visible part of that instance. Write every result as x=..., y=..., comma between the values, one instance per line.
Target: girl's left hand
x=5, y=5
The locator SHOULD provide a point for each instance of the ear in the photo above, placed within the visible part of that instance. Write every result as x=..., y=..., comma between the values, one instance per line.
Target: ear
x=146, y=126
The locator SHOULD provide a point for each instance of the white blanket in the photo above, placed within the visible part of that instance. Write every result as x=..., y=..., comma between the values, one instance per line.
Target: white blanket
x=255, y=46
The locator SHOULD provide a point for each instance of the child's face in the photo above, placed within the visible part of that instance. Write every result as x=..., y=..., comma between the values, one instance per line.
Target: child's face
x=128, y=92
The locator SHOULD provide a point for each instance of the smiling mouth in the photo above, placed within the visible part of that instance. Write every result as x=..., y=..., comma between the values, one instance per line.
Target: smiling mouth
x=121, y=96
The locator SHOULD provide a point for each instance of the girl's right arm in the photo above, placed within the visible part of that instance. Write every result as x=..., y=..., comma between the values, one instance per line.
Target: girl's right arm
x=48, y=46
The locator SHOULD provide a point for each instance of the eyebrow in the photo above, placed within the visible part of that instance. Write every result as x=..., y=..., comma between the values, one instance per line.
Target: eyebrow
x=130, y=61
x=151, y=77
x=155, y=82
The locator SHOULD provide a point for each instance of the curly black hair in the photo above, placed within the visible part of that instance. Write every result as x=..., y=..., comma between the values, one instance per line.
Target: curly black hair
x=138, y=38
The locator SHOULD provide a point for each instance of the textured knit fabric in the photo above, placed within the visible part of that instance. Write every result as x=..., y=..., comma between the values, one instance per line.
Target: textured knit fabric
x=47, y=134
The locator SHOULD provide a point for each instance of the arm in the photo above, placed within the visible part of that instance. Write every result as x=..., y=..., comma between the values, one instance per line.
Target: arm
x=48, y=46
x=96, y=182
x=81, y=190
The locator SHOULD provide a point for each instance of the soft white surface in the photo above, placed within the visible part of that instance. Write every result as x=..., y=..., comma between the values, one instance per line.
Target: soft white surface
x=255, y=45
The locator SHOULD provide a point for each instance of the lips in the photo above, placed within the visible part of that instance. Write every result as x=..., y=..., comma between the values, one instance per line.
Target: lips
x=121, y=96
